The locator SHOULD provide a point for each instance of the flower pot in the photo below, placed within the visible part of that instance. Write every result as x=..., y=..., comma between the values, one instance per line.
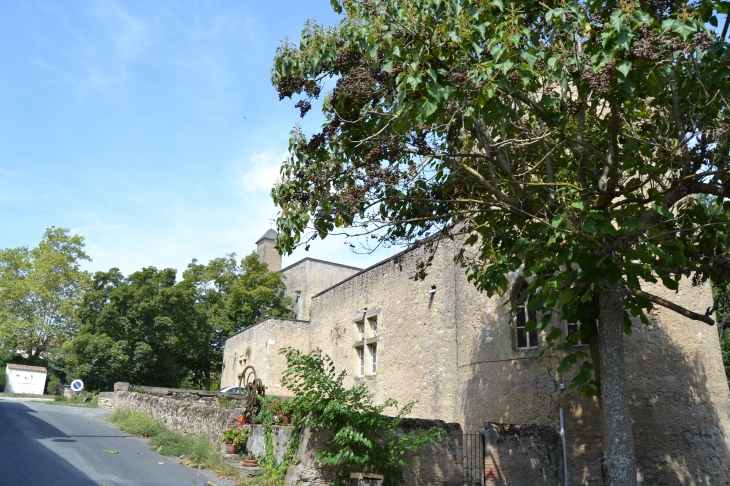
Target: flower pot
x=230, y=448
x=250, y=463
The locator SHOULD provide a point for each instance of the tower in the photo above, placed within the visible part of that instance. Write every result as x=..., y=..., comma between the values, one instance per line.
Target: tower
x=267, y=252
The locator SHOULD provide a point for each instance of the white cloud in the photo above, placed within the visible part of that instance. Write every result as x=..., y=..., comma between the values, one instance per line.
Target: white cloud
x=263, y=170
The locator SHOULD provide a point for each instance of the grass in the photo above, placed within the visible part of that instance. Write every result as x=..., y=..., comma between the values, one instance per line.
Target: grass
x=78, y=401
x=69, y=403
x=24, y=395
x=197, y=451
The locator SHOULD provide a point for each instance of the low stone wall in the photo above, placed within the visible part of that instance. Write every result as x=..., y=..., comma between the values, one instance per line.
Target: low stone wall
x=187, y=417
x=256, y=444
x=522, y=454
x=513, y=454
x=434, y=464
x=204, y=397
x=106, y=400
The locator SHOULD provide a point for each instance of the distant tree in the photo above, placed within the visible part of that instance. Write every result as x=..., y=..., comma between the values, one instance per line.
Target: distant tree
x=141, y=329
x=151, y=329
x=231, y=297
x=40, y=289
x=566, y=141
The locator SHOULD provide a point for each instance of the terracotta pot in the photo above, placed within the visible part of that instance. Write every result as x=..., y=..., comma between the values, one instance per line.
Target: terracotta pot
x=230, y=448
x=250, y=463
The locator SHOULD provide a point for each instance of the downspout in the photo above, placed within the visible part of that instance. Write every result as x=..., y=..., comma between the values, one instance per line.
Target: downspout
x=562, y=439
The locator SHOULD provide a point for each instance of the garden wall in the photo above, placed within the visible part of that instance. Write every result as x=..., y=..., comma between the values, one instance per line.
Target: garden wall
x=522, y=454
x=193, y=418
x=513, y=454
x=434, y=464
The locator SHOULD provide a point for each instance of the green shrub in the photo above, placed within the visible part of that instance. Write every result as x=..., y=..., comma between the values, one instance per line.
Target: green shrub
x=365, y=439
x=59, y=398
x=3, y=378
x=136, y=423
x=54, y=386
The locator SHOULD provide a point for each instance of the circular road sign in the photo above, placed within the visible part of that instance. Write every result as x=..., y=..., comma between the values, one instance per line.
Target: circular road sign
x=77, y=385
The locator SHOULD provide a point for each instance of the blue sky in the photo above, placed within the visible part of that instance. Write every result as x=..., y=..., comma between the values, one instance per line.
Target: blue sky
x=150, y=128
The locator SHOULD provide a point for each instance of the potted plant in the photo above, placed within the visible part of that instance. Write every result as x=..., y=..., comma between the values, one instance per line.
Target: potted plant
x=235, y=437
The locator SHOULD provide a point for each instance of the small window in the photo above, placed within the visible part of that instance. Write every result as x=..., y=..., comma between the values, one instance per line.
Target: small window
x=374, y=357
x=373, y=326
x=361, y=330
x=361, y=355
x=575, y=327
x=524, y=339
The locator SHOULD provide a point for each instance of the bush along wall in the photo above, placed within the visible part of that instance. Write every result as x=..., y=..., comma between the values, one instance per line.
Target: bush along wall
x=363, y=438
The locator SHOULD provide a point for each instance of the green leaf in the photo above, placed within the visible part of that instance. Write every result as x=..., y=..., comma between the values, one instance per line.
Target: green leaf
x=530, y=58
x=435, y=90
x=426, y=107
x=624, y=67
x=663, y=211
x=555, y=333
x=552, y=61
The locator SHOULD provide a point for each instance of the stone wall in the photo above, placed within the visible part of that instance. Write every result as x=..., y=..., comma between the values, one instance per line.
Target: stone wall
x=416, y=345
x=259, y=346
x=435, y=464
x=186, y=417
x=451, y=351
x=522, y=454
x=308, y=277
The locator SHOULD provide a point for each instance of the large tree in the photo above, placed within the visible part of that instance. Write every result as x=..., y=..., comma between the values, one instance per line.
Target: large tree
x=142, y=329
x=231, y=296
x=40, y=289
x=567, y=141
x=149, y=328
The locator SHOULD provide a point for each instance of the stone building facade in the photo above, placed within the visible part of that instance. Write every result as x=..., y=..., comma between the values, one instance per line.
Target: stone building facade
x=455, y=352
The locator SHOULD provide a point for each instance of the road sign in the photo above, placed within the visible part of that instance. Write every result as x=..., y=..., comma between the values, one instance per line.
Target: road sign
x=77, y=385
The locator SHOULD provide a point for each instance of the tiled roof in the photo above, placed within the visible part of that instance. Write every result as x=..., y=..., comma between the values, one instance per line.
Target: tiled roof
x=269, y=235
x=39, y=369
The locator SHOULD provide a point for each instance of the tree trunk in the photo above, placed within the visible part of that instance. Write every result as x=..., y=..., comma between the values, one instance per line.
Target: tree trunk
x=619, y=457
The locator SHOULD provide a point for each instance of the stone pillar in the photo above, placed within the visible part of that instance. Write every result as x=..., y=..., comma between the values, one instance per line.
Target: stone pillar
x=267, y=252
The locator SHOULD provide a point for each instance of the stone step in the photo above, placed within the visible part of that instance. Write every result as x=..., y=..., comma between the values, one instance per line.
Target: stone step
x=231, y=458
x=250, y=472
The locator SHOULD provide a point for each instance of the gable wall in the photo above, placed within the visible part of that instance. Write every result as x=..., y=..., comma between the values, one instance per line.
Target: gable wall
x=417, y=344
x=259, y=345
x=310, y=277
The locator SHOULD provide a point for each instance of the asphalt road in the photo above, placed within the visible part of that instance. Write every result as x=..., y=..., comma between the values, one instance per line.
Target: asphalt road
x=42, y=444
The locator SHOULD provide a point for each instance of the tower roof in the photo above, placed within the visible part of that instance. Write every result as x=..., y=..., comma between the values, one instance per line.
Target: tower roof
x=269, y=235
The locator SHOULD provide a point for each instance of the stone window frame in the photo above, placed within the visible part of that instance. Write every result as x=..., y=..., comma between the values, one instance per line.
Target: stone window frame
x=533, y=336
x=568, y=325
x=367, y=339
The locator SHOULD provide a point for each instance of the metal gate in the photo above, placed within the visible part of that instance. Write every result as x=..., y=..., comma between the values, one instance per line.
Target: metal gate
x=473, y=461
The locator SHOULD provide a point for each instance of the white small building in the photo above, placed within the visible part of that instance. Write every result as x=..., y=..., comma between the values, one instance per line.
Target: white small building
x=25, y=379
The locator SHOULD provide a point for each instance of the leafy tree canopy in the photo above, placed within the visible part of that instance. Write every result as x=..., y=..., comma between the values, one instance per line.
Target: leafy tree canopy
x=565, y=141
x=149, y=328
x=40, y=289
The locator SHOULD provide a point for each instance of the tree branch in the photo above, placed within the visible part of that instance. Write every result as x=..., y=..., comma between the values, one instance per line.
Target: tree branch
x=670, y=305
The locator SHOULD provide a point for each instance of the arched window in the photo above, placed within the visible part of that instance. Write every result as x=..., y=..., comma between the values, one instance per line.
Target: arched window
x=523, y=339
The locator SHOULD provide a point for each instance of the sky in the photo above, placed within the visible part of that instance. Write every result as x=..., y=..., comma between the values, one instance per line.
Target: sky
x=149, y=128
